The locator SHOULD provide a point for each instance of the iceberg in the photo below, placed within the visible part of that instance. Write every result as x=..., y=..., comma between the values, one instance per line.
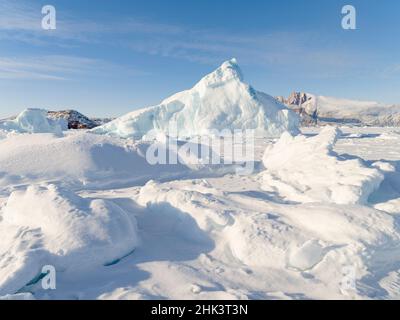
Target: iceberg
x=32, y=121
x=220, y=101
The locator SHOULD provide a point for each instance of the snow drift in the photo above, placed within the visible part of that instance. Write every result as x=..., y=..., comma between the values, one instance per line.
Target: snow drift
x=306, y=170
x=221, y=100
x=85, y=159
x=262, y=243
x=299, y=237
x=50, y=226
x=32, y=121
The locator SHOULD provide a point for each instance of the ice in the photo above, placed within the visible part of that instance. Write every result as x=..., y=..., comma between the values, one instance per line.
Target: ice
x=220, y=101
x=391, y=206
x=307, y=256
x=32, y=121
x=19, y=296
x=46, y=225
x=307, y=170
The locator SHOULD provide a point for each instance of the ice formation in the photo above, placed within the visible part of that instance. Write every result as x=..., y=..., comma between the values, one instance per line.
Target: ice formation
x=220, y=101
x=307, y=170
x=32, y=121
x=46, y=225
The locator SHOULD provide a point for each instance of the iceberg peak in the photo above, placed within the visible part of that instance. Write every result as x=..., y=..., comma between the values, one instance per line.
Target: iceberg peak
x=227, y=72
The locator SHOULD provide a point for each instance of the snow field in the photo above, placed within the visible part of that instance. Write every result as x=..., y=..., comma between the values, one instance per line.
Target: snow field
x=214, y=237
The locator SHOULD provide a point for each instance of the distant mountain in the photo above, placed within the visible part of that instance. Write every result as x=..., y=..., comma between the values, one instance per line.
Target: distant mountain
x=321, y=110
x=74, y=119
x=70, y=119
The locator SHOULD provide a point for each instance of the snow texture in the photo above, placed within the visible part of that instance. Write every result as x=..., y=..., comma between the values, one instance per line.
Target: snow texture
x=81, y=158
x=46, y=225
x=92, y=206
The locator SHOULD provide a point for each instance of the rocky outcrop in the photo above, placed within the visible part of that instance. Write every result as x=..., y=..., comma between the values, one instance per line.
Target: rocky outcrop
x=71, y=119
x=323, y=110
x=74, y=119
x=297, y=98
x=301, y=103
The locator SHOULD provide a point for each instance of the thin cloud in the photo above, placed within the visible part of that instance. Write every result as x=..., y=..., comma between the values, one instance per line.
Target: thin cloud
x=300, y=53
x=55, y=67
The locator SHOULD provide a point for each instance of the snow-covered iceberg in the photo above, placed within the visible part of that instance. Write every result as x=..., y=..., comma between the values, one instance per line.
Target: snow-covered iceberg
x=46, y=225
x=220, y=101
x=32, y=121
x=307, y=170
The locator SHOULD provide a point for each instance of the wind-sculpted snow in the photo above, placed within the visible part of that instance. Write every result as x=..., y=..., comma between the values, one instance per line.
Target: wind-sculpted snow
x=46, y=225
x=86, y=159
x=299, y=228
x=32, y=121
x=306, y=246
x=305, y=169
x=220, y=101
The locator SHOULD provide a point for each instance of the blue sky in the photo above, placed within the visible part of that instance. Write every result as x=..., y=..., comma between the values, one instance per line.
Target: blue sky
x=107, y=57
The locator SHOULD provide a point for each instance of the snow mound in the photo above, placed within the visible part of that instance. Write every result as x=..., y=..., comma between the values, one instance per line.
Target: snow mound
x=305, y=169
x=46, y=225
x=189, y=200
x=286, y=243
x=82, y=159
x=221, y=100
x=300, y=237
x=32, y=121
